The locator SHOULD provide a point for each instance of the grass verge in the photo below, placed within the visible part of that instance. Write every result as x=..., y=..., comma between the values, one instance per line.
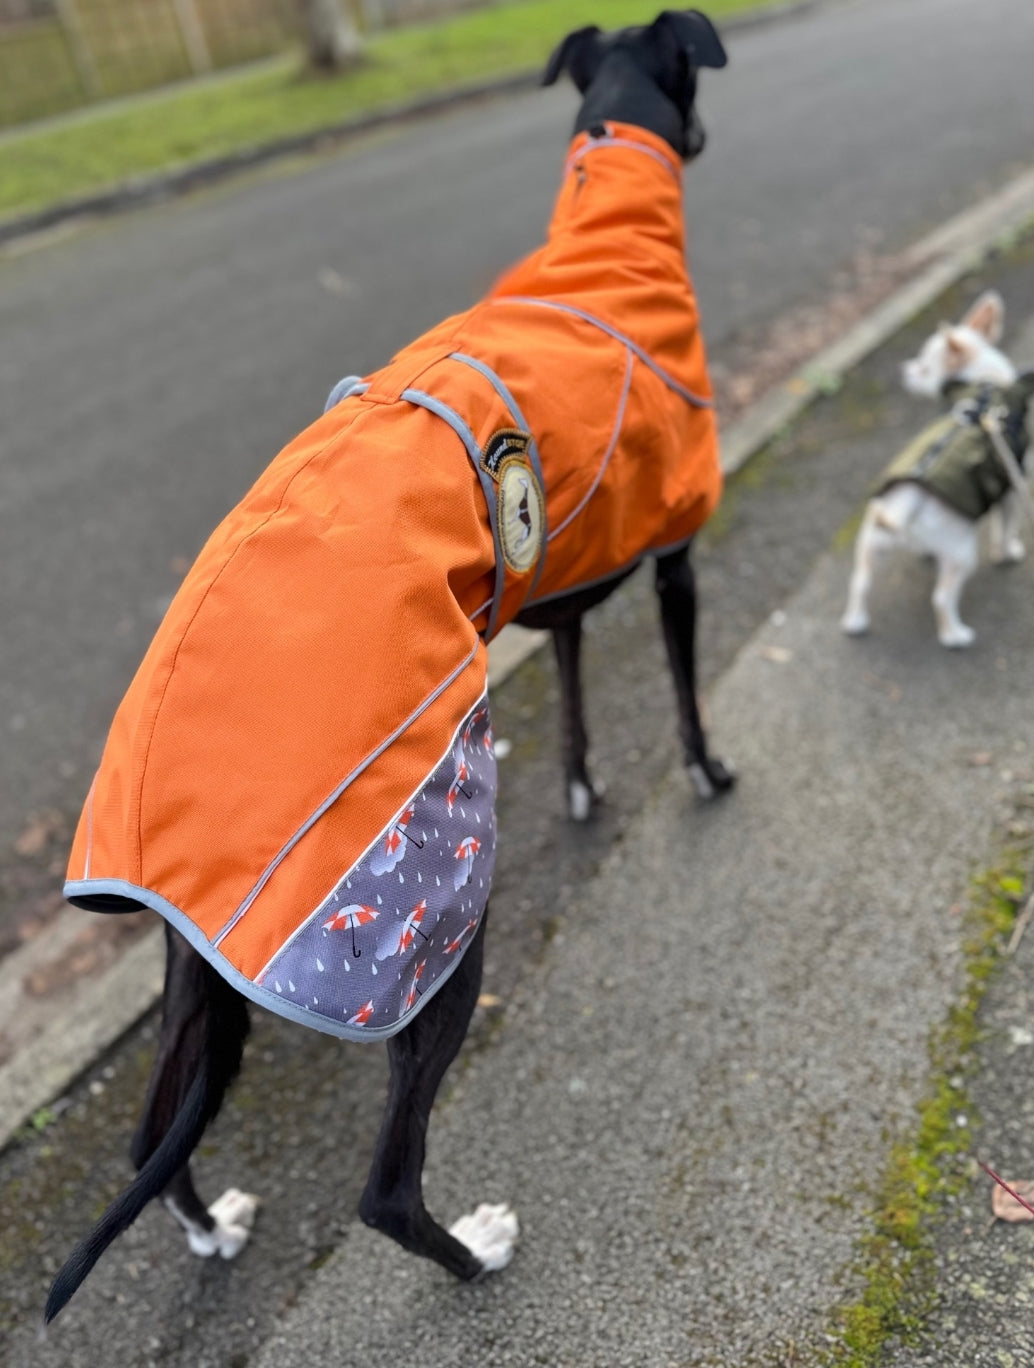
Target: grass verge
x=196, y=122
x=896, y=1260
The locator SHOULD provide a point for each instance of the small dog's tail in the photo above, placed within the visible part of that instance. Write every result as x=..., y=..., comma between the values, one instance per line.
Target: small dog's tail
x=217, y=1066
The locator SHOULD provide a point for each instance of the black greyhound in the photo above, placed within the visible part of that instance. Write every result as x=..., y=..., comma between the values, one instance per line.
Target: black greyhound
x=645, y=77
x=667, y=108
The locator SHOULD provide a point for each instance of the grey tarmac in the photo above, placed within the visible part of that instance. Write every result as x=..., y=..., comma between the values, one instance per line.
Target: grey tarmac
x=704, y=1025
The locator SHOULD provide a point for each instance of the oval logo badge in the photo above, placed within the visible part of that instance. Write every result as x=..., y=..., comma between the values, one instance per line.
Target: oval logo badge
x=521, y=515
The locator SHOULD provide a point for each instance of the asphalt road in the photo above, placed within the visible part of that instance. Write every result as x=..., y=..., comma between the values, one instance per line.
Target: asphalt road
x=150, y=366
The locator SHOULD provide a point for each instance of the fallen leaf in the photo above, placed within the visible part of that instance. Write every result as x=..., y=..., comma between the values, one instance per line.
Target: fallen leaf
x=1006, y=1207
x=979, y=758
x=489, y=1000
x=779, y=655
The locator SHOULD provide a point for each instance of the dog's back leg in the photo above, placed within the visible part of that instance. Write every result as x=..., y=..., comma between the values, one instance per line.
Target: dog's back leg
x=201, y=1014
x=204, y=1025
x=676, y=589
x=393, y=1199
x=953, y=570
x=873, y=538
x=582, y=794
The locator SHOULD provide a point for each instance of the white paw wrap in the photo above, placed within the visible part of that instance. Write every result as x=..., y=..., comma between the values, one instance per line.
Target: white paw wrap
x=233, y=1214
x=490, y=1234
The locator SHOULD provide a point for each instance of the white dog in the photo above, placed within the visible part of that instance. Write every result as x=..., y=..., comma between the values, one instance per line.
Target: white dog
x=931, y=498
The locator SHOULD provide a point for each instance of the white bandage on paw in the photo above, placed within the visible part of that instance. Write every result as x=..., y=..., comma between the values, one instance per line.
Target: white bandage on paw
x=233, y=1214
x=490, y=1233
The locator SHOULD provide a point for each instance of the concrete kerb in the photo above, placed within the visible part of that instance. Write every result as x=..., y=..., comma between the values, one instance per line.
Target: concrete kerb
x=151, y=188
x=95, y=1013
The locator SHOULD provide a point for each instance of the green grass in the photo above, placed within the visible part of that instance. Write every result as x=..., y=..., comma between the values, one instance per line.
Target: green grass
x=895, y=1266
x=198, y=122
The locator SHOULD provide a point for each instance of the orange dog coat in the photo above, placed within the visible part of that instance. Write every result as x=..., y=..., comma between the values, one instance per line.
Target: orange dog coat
x=300, y=776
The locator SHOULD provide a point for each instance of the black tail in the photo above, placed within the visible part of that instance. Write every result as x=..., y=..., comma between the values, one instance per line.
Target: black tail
x=167, y=1159
x=193, y=988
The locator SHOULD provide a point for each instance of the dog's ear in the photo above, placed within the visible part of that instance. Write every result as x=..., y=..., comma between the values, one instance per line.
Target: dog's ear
x=959, y=351
x=987, y=316
x=580, y=54
x=695, y=35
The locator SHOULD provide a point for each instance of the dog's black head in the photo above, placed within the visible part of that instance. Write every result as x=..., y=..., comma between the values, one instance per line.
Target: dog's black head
x=645, y=76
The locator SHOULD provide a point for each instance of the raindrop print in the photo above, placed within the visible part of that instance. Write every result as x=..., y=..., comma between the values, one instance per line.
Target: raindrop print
x=374, y=968
x=319, y=962
x=290, y=985
x=279, y=989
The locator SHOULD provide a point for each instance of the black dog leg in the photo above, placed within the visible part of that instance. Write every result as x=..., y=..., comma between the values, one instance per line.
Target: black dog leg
x=393, y=1201
x=196, y=1000
x=676, y=588
x=204, y=1025
x=582, y=794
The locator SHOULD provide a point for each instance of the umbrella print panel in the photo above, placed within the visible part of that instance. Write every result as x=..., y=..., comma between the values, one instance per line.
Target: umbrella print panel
x=402, y=915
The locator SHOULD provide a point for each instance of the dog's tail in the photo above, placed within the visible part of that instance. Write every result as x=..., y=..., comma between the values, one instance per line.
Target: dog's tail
x=217, y=1066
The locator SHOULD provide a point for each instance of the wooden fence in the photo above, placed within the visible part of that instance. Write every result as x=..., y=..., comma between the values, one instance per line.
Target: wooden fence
x=58, y=54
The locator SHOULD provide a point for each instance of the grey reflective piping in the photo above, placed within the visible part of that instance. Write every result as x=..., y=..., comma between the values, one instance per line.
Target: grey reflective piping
x=450, y=416
x=474, y=616
x=614, y=574
x=359, y=859
x=518, y=417
x=347, y=387
x=329, y=802
x=695, y=399
x=611, y=141
x=275, y=1002
x=610, y=449
x=89, y=828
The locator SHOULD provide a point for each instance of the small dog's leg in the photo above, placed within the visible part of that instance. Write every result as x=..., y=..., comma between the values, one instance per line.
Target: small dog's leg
x=393, y=1200
x=195, y=996
x=952, y=574
x=676, y=590
x=872, y=538
x=1006, y=544
x=582, y=794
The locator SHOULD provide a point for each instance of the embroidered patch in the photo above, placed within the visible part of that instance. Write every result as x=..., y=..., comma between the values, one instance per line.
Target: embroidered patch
x=503, y=446
x=521, y=515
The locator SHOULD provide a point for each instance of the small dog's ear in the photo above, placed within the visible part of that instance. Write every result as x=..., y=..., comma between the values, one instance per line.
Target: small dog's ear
x=579, y=54
x=987, y=316
x=697, y=36
x=959, y=352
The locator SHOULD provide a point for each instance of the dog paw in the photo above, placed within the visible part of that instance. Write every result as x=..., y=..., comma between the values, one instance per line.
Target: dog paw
x=855, y=624
x=957, y=638
x=582, y=799
x=234, y=1215
x=711, y=778
x=490, y=1233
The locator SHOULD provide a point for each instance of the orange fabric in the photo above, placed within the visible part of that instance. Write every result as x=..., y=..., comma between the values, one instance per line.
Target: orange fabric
x=337, y=597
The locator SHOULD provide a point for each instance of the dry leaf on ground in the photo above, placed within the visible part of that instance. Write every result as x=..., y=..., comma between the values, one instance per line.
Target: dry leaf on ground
x=1006, y=1207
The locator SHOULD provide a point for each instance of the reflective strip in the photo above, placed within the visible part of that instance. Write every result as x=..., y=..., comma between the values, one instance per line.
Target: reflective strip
x=345, y=388
x=610, y=449
x=695, y=399
x=654, y=551
x=345, y=783
x=533, y=451
x=89, y=828
x=468, y=439
x=260, y=976
x=264, y=997
x=611, y=141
